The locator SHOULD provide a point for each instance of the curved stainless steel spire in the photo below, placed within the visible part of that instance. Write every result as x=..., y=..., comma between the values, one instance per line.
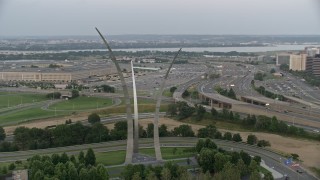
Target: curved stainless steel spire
x=130, y=142
x=156, y=114
x=135, y=109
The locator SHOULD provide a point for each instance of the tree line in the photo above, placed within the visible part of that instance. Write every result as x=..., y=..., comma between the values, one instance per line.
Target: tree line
x=76, y=133
x=181, y=110
x=65, y=167
x=215, y=163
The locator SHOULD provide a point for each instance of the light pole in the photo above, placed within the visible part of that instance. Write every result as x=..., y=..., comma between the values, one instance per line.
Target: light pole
x=267, y=107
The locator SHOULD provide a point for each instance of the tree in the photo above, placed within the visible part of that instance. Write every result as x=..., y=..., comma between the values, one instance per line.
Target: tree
x=237, y=137
x=136, y=176
x=245, y=157
x=83, y=174
x=38, y=175
x=165, y=174
x=214, y=112
x=93, y=118
x=268, y=176
x=219, y=161
x=185, y=94
x=252, y=139
x=295, y=156
x=54, y=95
x=90, y=158
x=255, y=176
x=207, y=132
x=200, y=144
x=150, y=130
x=173, y=89
x=12, y=167
x=163, y=131
x=98, y=133
x=258, y=76
x=2, y=134
x=64, y=158
x=206, y=159
x=107, y=88
x=81, y=157
x=183, y=131
x=263, y=143
x=253, y=166
x=151, y=176
x=93, y=174
x=229, y=172
x=284, y=67
x=200, y=112
x=102, y=172
x=74, y=93
x=218, y=135
x=232, y=94
x=55, y=158
x=119, y=131
x=227, y=136
x=236, y=116
x=184, y=110
x=272, y=71
x=231, y=117
x=72, y=172
x=257, y=159
x=242, y=168
x=172, y=110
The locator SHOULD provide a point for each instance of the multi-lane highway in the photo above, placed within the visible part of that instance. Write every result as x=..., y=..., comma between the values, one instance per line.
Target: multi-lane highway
x=272, y=159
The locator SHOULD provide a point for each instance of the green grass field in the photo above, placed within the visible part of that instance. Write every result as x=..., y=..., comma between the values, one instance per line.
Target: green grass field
x=117, y=157
x=8, y=99
x=29, y=114
x=82, y=103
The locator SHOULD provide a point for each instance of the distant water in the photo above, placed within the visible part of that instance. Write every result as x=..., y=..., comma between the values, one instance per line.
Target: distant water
x=194, y=49
x=227, y=49
x=214, y=49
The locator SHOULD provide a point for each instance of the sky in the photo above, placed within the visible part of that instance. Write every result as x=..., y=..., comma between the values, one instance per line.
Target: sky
x=116, y=17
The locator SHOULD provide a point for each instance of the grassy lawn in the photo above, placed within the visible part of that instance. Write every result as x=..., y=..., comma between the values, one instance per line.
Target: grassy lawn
x=111, y=158
x=167, y=152
x=13, y=99
x=82, y=103
x=167, y=93
x=28, y=114
x=117, y=157
x=263, y=170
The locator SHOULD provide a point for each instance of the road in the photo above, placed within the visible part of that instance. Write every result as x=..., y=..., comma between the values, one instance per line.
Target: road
x=271, y=158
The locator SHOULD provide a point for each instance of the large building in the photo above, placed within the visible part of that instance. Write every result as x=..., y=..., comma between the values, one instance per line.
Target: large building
x=283, y=59
x=298, y=62
x=312, y=51
x=50, y=71
x=313, y=65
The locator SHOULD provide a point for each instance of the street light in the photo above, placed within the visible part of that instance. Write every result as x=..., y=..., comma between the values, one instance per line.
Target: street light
x=267, y=106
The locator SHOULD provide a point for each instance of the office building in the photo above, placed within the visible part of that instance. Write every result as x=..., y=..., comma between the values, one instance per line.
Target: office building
x=298, y=62
x=313, y=65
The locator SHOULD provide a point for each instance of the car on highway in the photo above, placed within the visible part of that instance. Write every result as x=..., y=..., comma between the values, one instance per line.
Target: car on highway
x=299, y=171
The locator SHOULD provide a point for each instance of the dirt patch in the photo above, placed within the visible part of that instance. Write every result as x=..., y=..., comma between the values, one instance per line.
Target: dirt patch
x=47, y=122
x=309, y=151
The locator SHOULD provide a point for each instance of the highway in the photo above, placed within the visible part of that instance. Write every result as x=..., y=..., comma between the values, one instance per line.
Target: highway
x=272, y=159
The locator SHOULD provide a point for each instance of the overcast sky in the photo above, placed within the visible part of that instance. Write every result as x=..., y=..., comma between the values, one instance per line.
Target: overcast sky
x=79, y=17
